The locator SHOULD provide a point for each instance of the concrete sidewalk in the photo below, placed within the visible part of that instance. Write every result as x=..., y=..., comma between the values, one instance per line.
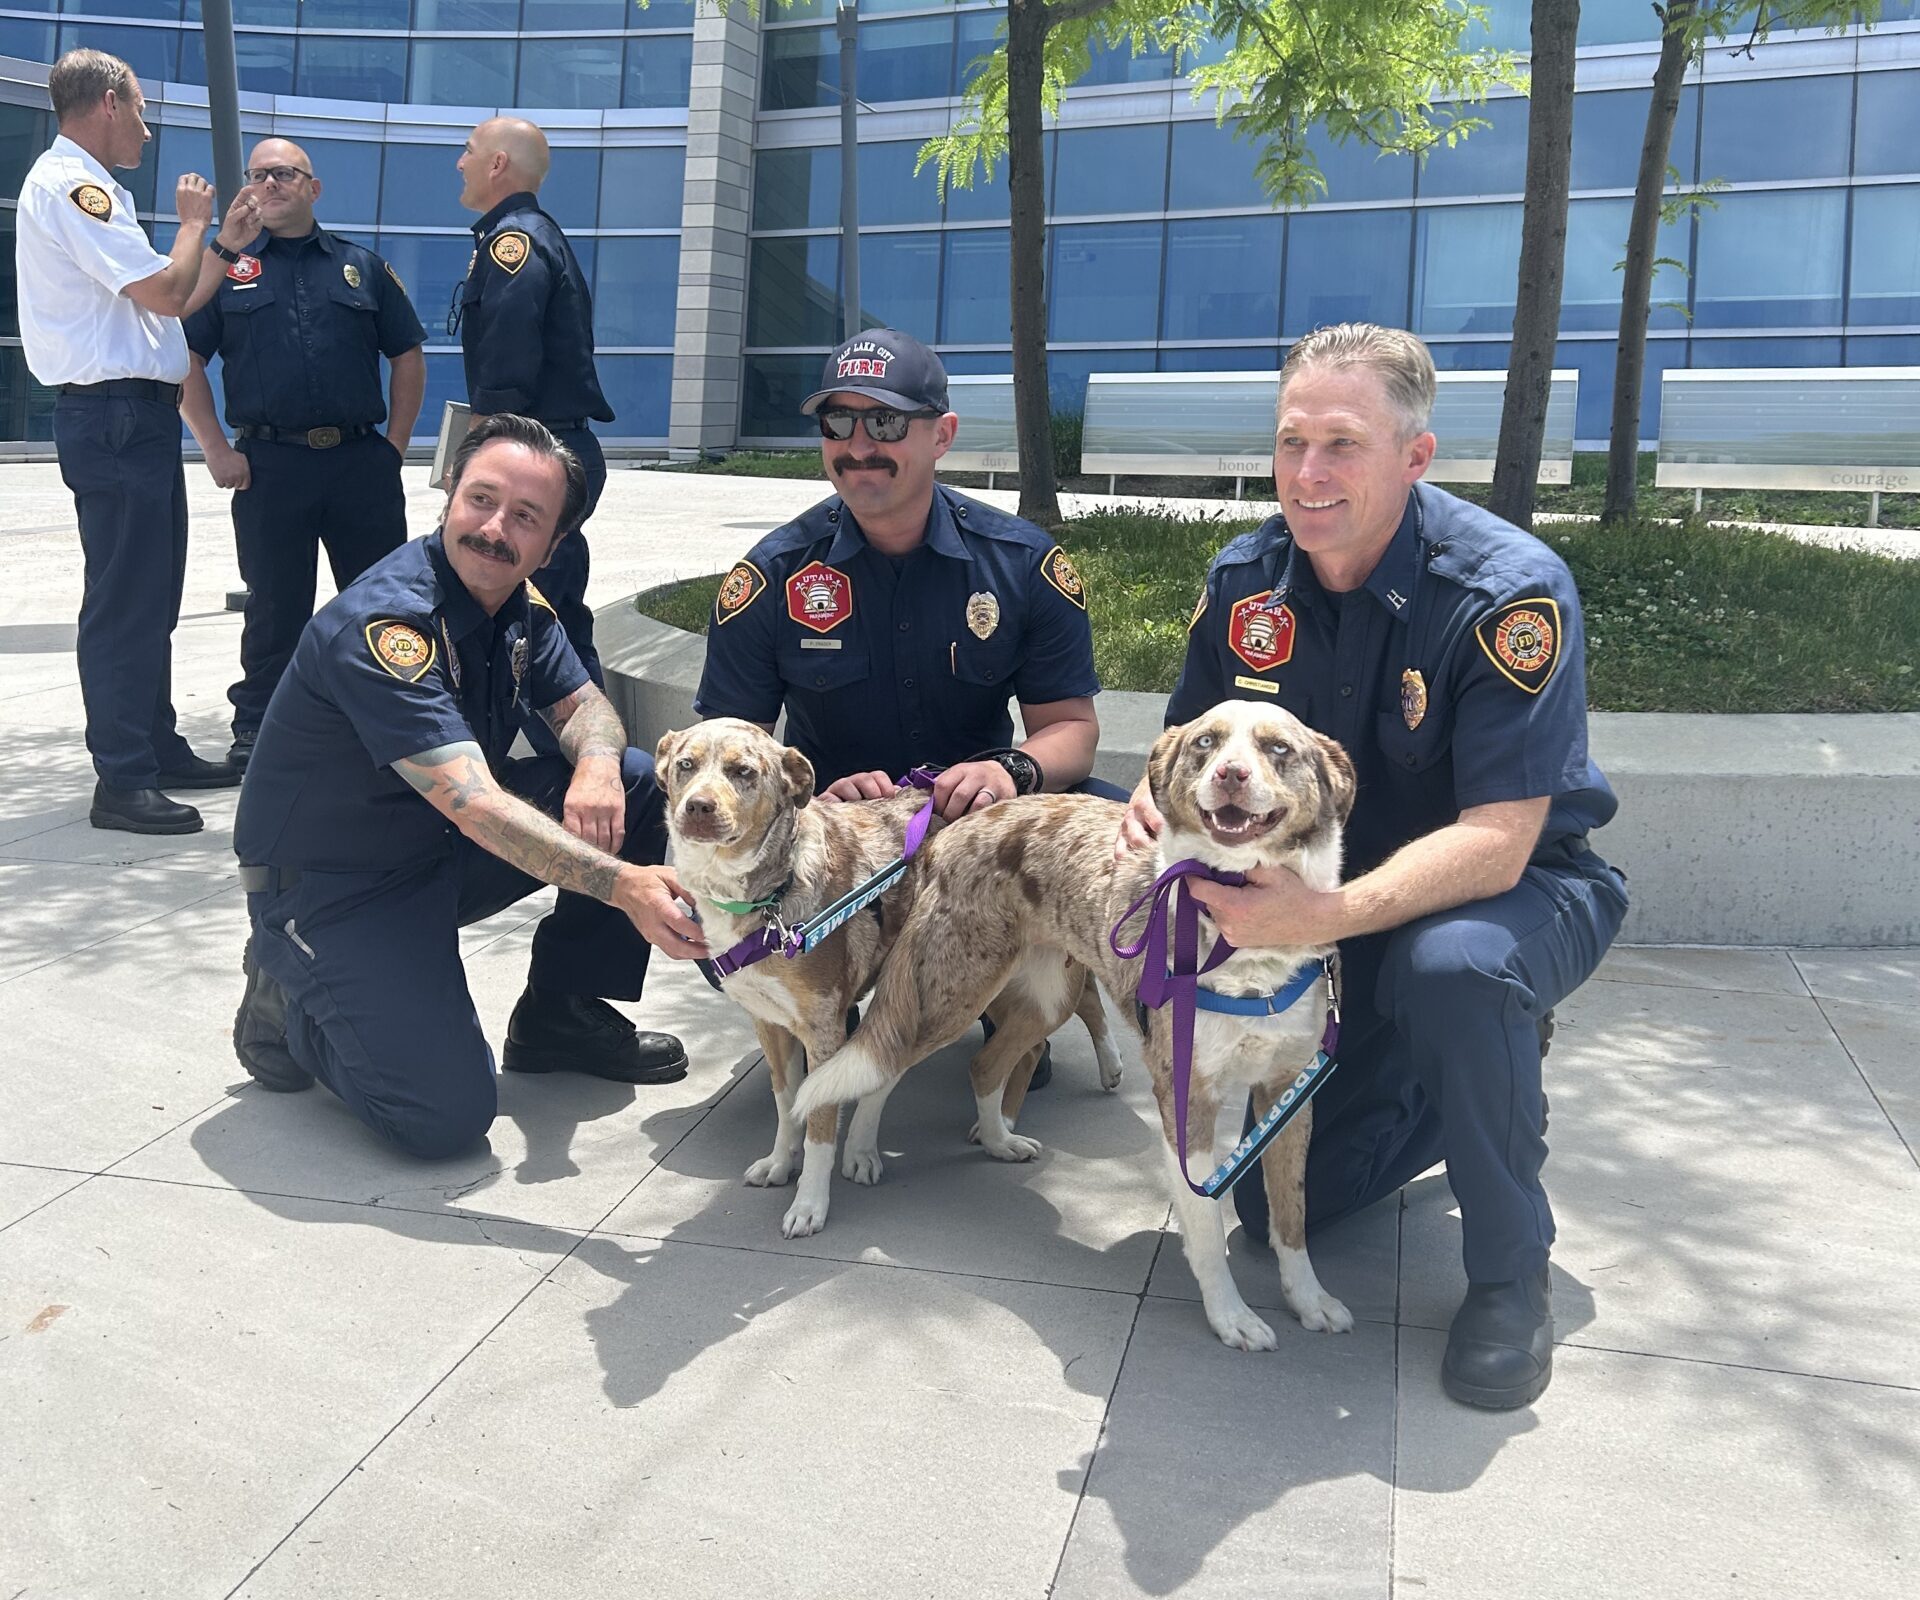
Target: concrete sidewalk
x=244, y=1350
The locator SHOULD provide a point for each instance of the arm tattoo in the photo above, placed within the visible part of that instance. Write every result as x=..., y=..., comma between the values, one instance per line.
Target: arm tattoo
x=456, y=781
x=587, y=725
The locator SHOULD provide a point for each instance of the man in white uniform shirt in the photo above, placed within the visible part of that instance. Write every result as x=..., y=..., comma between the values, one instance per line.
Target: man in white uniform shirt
x=100, y=313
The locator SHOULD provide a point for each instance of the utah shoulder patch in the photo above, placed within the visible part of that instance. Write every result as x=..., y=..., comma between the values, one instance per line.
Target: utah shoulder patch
x=93, y=200
x=1059, y=570
x=738, y=589
x=510, y=250
x=401, y=649
x=394, y=275
x=1522, y=640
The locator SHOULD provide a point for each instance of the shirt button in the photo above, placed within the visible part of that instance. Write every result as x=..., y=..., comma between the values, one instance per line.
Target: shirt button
x=820, y=680
x=988, y=676
x=906, y=683
x=906, y=627
x=1413, y=760
x=914, y=735
x=1346, y=691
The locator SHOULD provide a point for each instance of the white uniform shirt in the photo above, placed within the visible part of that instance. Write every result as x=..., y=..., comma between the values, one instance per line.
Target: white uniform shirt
x=77, y=246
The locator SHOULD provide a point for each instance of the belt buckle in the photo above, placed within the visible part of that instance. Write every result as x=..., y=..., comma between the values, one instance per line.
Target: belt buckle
x=322, y=438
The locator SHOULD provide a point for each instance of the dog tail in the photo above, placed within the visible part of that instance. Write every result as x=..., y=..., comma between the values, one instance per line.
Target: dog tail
x=852, y=1073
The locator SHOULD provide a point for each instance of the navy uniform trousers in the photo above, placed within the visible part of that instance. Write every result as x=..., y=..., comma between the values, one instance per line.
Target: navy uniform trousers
x=563, y=580
x=348, y=498
x=121, y=458
x=1439, y=1060
x=377, y=1002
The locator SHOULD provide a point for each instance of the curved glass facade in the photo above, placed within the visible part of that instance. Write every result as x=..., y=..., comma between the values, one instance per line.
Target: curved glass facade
x=1162, y=252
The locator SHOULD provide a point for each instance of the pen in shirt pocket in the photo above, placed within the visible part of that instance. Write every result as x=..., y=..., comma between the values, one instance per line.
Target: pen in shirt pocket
x=953, y=657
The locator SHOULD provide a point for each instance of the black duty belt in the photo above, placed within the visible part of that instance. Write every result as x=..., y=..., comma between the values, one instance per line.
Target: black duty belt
x=573, y=426
x=312, y=438
x=128, y=389
x=268, y=880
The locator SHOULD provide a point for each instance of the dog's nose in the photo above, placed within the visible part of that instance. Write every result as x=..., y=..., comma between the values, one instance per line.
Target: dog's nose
x=1231, y=773
x=694, y=806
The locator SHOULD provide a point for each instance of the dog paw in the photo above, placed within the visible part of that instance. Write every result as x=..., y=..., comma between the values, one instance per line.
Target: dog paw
x=770, y=1172
x=803, y=1217
x=1014, y=1147
x=1240, y=1328
x=1321, y=1313
x=1110, y=1076
x=863, y=1166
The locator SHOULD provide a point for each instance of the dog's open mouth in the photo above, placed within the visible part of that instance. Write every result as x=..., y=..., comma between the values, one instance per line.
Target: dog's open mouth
x=1233, y=825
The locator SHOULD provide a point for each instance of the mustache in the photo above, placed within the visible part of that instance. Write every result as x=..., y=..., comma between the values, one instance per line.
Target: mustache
x=871, y=464
x=494, y=551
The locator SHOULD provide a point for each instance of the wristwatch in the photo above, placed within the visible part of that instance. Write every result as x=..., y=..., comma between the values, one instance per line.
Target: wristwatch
x=1019, y=766
x=226, y=255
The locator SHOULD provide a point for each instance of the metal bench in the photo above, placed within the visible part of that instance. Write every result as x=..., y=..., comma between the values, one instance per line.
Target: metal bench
x=986, y=442
x=1220, y=424
x=1832, y=428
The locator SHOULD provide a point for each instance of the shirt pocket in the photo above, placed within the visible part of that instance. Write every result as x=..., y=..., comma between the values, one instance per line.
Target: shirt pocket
x=1412, y=753
x=349, y=298
x=825, y=671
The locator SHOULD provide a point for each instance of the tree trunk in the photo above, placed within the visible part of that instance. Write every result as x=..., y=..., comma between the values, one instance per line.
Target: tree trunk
x=1543, y=257
x=1027, y=24
x=1636, y=289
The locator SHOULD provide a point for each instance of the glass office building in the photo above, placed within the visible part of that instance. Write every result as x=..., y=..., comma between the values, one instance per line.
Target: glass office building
x=1162, y=253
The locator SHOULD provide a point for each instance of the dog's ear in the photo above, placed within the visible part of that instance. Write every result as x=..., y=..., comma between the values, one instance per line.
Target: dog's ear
x=663, y=757
x=798, y=772
x=1337, y=774
x=1161, y=762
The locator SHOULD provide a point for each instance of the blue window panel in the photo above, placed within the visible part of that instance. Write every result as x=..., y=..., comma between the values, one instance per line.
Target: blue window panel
x=1594, y=360
x=181, y=150
x=265, y=61
x=420, y=187
x=1884, y=288
x=634, y=292
x=446, y=380
x=257, y=13
x=771, y=390
x=1466, y=264
x=987, y=199
x=9, y=283
x=1118, y=64
x=570, y=74
x=432, y=266
x=381, y=14
x=977, y=34
x=26, y=41
x=1212, y=170
x=793, y=293
x=1357, y=170
x=1743, y=278
x=1776, y=128
x=1596, y=244
x=900, y=282
x=24, y=132
x=1508, y=26
x=659, y=14
x=978, y=363
x=1489, y=160
x=349, y=174
x=911, y=59
x=1887, y=125
x=1884, y=350
x=1347, y=267
x=1222, y=358
x=1610, y=21
x=1476, y=356
x=352, y=69
x=797, y=188
x=890, y=191
x=1766, y=352
x=1104, y=170
x=1607, y=132
x=640, y=390
x=659, y=70
x=799, y=67
x=641, y=187
x=571, y=194
x=1105, y=282
x=1067, y=372
x=463, y=72
x=156, y=10
x=153, y=53
x=462, y=16
x=544, y=14
x=26, y=408
x=974, y=303
x=1223, y=279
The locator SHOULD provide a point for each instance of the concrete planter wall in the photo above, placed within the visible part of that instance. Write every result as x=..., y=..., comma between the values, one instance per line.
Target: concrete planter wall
x=1750, y=830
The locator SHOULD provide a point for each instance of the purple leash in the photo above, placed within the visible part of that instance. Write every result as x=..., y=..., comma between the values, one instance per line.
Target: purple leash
x=1167, y=899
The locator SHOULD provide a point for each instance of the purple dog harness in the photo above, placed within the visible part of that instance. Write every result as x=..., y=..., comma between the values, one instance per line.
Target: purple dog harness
x=1168, y=899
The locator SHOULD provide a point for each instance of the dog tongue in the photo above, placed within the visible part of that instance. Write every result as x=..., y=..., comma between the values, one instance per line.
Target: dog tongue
x=1232, y=817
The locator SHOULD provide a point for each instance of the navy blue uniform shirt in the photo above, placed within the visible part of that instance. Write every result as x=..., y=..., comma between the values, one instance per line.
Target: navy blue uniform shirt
x=300, y=326
x=526, y=320
x=402, y=660
x=883, y=662
x=1456, y=676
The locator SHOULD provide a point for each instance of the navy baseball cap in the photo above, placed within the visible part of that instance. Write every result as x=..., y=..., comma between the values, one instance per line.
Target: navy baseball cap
x=885, y=365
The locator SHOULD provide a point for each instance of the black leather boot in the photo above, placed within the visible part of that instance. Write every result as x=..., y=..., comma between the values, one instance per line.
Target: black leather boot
x=260, y=1033
x=200, y=773
x=551, y=1032
x=1500, y=1348
x=240, y=752
x=141, y=811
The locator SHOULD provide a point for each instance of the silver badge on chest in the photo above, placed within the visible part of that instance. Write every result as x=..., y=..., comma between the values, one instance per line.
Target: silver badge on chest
x=983, y=615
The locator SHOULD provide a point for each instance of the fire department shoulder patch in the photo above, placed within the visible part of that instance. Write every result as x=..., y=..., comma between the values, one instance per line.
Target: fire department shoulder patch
x=394, y=275
x=401, y=649
x=819, y=597
x=510, y=250
x=738, y=590
x=1060, y=571
x=93, y=200
x=1522, y=640
x=1260, y=633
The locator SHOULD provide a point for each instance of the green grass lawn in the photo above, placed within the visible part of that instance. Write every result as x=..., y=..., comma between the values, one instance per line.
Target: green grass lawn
x=1679, y=618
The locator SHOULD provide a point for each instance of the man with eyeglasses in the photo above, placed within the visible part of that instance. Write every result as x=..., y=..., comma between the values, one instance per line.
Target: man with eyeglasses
x=893, y=622
x=300, y=322
x=524, y=315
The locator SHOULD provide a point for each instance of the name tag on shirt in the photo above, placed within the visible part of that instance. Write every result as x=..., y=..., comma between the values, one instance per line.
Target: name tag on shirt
x=821, y=644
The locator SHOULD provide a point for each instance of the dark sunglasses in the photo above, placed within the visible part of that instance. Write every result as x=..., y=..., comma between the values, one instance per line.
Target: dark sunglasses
x=883, y=427
x=277, y=174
